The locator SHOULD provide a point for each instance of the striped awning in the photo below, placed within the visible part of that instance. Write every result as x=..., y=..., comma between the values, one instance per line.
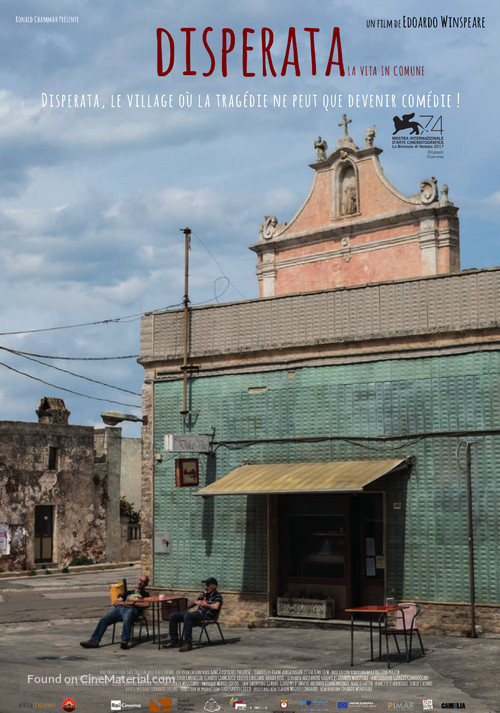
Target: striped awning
x=281, y=478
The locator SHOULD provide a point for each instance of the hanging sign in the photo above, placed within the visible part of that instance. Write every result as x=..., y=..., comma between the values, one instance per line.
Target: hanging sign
x=187, y=443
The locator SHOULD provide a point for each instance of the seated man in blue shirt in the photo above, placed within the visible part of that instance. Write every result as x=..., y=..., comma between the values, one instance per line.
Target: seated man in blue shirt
x=126, y=608
x=208, y=603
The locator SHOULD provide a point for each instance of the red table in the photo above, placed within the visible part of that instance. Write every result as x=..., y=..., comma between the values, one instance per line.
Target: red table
x=169, y=604
x=381, y=611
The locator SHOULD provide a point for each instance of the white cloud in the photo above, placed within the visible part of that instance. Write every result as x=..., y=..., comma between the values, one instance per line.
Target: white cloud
x=93, y=199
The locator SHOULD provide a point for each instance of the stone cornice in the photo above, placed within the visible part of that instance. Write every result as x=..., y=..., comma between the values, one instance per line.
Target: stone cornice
x=340, y=228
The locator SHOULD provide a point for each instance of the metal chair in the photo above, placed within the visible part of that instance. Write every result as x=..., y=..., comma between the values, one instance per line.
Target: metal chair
x=405, y=626
x=142, y=621
x=207, y=622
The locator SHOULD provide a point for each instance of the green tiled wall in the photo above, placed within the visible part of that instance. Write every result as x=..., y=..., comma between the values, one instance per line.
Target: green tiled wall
x=427, y=554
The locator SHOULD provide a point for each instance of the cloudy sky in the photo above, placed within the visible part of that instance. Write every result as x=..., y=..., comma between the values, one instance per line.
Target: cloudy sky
x=92, y=198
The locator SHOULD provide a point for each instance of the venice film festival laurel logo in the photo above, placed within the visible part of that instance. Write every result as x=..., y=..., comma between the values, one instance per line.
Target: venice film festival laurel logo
x=424, y=131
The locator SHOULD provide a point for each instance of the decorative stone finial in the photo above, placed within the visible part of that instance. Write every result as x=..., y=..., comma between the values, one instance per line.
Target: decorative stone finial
x=428, y=190
x=345, y=140
x=344, y=123
x=267, y=230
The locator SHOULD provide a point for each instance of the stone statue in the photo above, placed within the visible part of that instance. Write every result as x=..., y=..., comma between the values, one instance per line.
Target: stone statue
x=370, y=136
x=321, y=147
x=350, y=204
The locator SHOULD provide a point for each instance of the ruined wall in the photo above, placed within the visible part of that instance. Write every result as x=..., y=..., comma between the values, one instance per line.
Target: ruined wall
x=31, y=474
x=130, y=474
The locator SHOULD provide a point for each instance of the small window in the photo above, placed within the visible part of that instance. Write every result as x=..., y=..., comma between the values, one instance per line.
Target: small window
x=53, y=454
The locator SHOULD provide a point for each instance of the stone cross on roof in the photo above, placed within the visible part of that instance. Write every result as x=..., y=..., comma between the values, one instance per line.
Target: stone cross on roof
x=344, y=123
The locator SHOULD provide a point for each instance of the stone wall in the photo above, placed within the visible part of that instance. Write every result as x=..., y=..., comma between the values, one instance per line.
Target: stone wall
x=241, y=610
x=130, y=473
x=147, y=481
x=238, y=609
x=455, y=619
x=68, y=484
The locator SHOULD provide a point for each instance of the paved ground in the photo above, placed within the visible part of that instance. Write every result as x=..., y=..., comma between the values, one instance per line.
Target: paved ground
x=43, y=664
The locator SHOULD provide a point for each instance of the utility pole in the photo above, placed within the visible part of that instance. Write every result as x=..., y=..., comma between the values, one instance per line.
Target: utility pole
x=184, y=367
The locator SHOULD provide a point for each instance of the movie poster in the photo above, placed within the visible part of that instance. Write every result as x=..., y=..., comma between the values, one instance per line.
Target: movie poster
x=124, y=122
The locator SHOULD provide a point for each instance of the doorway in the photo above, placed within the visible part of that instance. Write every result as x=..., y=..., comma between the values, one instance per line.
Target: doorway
x=329, y=547
x=44, y=533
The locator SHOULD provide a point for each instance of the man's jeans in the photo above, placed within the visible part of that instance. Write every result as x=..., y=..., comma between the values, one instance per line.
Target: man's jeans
x=125, y=614
x=190, y=619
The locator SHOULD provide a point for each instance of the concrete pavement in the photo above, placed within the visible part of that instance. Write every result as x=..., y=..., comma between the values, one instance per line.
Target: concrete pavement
x=42, y=665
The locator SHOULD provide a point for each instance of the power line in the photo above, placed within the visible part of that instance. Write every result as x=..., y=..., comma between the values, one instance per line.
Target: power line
x=113, y=320
x=219, y=266
x=71, y=373
x=68, y=358
x=61, y=388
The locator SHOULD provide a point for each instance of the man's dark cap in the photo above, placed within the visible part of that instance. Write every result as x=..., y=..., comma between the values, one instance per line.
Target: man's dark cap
x=210, y=580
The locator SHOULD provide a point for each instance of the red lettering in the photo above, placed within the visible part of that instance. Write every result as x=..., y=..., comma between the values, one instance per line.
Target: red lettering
x=159, y=53
x=291, y=47
x=165, y=51
x=226, y=49
x=266, y=50
x=339, y=62
x=311, y=31
x=189, y=72
x=210, y=53
x=247, y=48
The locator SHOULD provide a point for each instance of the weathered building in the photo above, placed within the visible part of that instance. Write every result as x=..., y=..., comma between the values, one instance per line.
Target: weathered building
x=339, y=420
x=59, y=490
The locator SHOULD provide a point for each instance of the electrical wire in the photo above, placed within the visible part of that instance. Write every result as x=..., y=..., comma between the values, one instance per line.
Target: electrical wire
x=113, y=320
x=62, y=388
x=72, y=373
x=218, y=265
x=68, y=358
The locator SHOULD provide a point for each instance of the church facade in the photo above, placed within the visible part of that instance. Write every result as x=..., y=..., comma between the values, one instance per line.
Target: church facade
x=350, y=414
x=355, y=227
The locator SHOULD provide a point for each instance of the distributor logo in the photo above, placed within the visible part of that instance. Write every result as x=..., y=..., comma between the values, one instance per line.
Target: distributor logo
x=315, y=705
x=184, y=705
x=161, y=705
x=117, y=705
x=68, y=705
x=211, y=706
x=237, y=703
x=400, y=705
x=37, y=705
x=456, y=706
x=427, y=704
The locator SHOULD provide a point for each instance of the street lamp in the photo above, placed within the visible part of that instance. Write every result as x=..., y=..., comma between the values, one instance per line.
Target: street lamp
x=113, y=418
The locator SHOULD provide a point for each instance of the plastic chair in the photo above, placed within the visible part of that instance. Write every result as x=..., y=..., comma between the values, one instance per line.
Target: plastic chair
x=405, y=626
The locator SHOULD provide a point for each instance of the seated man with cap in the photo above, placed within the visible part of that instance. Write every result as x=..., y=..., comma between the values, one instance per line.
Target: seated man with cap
x=208, y=604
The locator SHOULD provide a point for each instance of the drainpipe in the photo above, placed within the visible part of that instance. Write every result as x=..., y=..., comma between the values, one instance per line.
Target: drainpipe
x=468, y=469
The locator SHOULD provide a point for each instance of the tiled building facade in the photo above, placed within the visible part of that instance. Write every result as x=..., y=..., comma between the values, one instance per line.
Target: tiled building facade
x=338, y=419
